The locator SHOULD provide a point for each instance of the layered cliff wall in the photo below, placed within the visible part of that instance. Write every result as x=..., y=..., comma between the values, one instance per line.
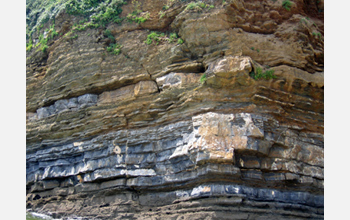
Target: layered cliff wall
x=176, y=110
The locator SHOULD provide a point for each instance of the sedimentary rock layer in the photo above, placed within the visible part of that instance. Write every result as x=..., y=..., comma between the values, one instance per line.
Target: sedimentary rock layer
x=180, y=130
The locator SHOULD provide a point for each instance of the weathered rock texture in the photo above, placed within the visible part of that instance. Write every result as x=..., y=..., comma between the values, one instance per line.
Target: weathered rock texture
x=137, y=136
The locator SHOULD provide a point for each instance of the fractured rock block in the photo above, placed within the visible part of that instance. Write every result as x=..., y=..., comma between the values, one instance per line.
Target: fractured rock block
x=42, y=113
x=50, y=184
x=117, y=95
x=87, y=100
x=145, y=87
x=61, y=105
x=229, y=71
x=177, y=80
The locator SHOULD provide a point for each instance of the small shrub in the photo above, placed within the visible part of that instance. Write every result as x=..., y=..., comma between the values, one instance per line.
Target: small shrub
x=268, y=74
x=286, y=4
x=172, y=37
x=108, y=34
x=191, y=6
x=202, y=4
x=152, y=36
x=203, y=78
x=317, y=35
x=161, y=14
x=157, y=37
x=98, y=12
x=303, y=20
x=74, y=37
x=138, y=17
x=198, y=6
x=54, y=33
x=44, y=48
x=259, y=74
x=29, y=45
x=180, y=41
x=80, y=27
x=92, y=25
x=114, y=49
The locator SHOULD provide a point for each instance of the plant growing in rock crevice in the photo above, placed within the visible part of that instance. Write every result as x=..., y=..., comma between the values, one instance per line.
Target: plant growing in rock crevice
x=203, y=78
x=138, y=15
x=112, y=47
x=48, y=35
x=287, y=4
x=318, y=35
x=96, y=11
x=198, y=6
x=259, y=74
x=158, y=37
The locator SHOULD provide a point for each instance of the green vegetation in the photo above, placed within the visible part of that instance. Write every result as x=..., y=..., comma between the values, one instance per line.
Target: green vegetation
x=157, y=37
x=166, y=7
x=203, y=78
x=303, y=20
x=137, y=15
x=317, y=35
x=198, y=6
x=99, y=12
x=29, y=45
x=43, y=39
x=40, y=12
x=153, y=36
x=161, y=14
x=108, y=34
x=74, y=37
x=44, y=48
x=114, y=48
x=259, y=74
x=172, y=37
x=286, y=4
x=93, y=14
x=257, y=50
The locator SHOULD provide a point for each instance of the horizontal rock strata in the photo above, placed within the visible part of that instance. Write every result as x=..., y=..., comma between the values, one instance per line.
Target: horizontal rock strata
x=180, y=130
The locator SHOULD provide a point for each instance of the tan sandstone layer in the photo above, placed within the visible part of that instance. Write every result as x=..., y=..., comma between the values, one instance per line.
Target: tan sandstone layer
x=138, y=136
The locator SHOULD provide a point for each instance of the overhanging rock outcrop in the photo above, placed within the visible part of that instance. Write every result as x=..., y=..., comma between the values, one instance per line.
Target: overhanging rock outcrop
x=179, y=130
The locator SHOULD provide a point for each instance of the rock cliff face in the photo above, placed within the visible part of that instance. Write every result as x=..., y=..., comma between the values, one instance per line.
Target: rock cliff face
x=219, y=115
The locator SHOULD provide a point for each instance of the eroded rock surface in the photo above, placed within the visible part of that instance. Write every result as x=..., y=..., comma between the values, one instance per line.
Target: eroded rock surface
x=137, y=135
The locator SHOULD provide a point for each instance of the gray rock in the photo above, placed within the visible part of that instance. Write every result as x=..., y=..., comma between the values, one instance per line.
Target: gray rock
x=73, y=103
x=42, y=112
x=87, y=99
x=61, y=105
x=50, y=184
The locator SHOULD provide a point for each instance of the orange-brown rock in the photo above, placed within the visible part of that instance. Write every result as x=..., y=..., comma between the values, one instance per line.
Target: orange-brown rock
x=183, y=127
